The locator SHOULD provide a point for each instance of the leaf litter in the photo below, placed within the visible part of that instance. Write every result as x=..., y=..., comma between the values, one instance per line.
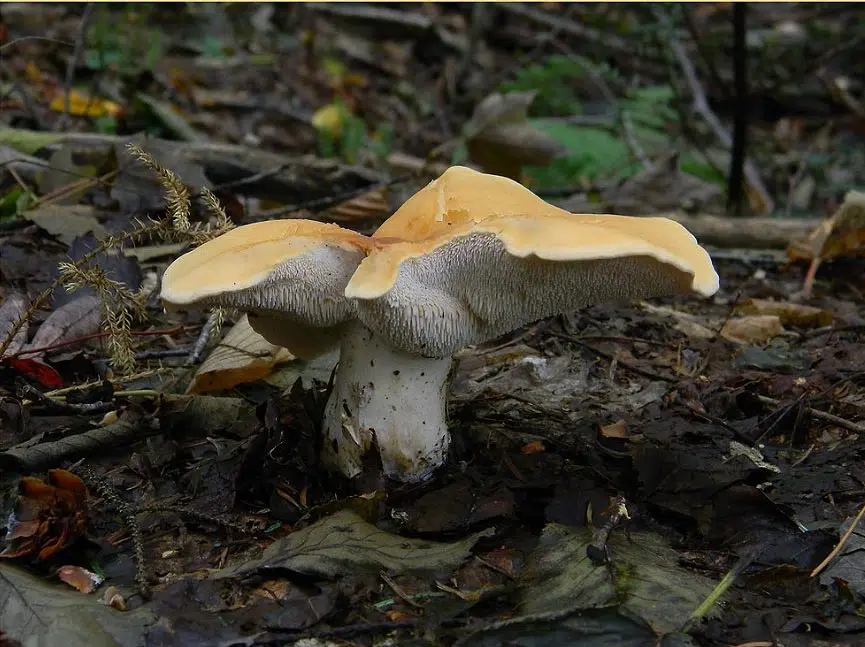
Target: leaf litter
x=729, y=430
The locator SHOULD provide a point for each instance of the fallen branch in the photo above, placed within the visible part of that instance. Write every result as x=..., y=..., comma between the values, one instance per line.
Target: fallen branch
x=26, y=458
x=281, y=178
x=855, y=427
x=756, y=232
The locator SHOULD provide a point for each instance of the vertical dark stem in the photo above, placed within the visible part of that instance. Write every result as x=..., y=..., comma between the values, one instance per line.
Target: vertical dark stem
x=736, y=179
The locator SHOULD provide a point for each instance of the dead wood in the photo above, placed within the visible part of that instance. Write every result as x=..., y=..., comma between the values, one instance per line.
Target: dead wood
x=283, y=178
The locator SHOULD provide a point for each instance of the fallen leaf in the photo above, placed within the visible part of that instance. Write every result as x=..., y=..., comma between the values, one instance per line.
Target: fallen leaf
x=616, y=430
x=145, y=253
x=592, y=628
x=80, y=578
x=753, y=329
x=345, y=543
x=242, y=356
x=649, y=583
x=47, y=516
x=65, y=176
x=78, y=318
x=841, y=235
x=686, y=323
x=329, y=119
x=14, y=306
x=790, y=314
x=37, y=613
x=849, y=565
x=83, y=105
x=39, y=371
x=370, y=206
x=28, y=141
x=500, y=139
x=67, y=221
x=535, y=447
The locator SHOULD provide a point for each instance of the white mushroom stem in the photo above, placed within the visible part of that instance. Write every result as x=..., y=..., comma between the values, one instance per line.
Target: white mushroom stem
x=386, y=400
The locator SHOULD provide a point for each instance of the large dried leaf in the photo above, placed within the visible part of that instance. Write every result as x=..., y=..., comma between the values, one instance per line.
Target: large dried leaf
x=753, y=329
x=344, y=543
x=592, y=628
x=67, y=221
x=242, y=356
x=78, y=318
x=790, y=314
x=643, y=580
x=841, y=235
x=39, y=614
x=13, y=307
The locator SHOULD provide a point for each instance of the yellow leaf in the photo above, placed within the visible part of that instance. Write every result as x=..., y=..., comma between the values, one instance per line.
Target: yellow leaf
x=753, y=329
x=82, y=105
x=242, y=356
x=329, y=119
x=793, y=314
x=841, y=235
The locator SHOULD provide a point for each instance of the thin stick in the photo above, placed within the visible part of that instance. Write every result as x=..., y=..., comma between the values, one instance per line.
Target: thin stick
x=840, y=545
x=100, y=335
x=77, y=51
x=855, y=427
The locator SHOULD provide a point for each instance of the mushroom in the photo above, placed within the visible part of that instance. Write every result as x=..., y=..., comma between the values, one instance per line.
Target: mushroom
x=469, y=257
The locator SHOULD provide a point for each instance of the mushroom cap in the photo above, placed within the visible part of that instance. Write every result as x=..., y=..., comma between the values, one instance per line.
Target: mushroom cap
x=461, y=196
x=289, y=275
x=482, y=279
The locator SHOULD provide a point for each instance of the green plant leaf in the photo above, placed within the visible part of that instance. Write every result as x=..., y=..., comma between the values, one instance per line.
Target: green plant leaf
x=345, y=543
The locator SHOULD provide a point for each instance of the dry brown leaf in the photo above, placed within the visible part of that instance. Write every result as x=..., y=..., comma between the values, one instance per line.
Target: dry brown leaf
x=500, y=140
x=242, y=356
x=790, y=314
x=80, y=578
x=616, y=430
x=13, y=307
x=367, y=207
x=685, y=323
x=841, y=235
x=78, y=318
x=753, y=329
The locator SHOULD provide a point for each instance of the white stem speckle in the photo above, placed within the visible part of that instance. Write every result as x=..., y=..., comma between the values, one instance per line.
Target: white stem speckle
x=388, y=400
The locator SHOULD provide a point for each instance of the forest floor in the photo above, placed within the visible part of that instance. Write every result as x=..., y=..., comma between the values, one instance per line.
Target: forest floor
x=679, y=471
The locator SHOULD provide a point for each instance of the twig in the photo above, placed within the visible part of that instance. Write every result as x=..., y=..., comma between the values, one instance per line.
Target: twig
x=631, y=139
x=26, y=38
x=608, y=356
x=597, y=550
x=77, y=51
x=840, y=545
x=702, y=107
x=162, y=354
x=312, y=205
x=821, y=415
x=207, y=331
x=400, y=592
x=29, y=457
x=100, y=335
x=58, y=405
x=564, y=25
x=476, y=28
x=735, y=178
